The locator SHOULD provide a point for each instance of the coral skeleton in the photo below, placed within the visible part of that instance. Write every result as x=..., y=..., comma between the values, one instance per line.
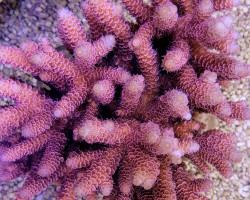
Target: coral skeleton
x=118, y=120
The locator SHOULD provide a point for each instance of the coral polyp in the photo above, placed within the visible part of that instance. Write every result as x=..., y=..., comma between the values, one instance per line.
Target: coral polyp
x=118, y=120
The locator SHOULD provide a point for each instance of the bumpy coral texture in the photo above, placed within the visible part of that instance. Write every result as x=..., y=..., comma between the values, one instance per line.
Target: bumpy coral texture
x=118, y=120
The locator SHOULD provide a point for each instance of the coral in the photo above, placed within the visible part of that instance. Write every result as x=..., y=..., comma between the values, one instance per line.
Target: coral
x=119, y=118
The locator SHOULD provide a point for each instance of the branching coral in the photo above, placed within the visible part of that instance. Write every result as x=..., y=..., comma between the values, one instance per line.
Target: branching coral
x=120, y=121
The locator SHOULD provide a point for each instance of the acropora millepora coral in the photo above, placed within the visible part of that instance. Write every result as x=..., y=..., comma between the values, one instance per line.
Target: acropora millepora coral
x=119, y=119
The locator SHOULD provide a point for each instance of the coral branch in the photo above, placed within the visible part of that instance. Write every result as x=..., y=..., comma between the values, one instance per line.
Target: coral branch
x=220, y=152
x=69, y=28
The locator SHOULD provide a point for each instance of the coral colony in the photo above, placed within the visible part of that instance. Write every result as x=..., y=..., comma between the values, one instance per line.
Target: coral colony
x=119, y=120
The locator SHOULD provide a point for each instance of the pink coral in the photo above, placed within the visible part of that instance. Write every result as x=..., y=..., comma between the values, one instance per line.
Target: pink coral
x=177, y=57
x=119, y=121
x=200, y=92
x=87, y=54
x=189, y=189
x=142, y=47
x=52, y=155
x=103, y=91
x=99, y=173
x=218, y=149
x=164, y=188
x=165, y=16
x=69, y=28
x=140, y=10
x=28, y=103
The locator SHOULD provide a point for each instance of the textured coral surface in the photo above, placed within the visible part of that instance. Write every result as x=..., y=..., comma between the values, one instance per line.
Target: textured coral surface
x=118, y=120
